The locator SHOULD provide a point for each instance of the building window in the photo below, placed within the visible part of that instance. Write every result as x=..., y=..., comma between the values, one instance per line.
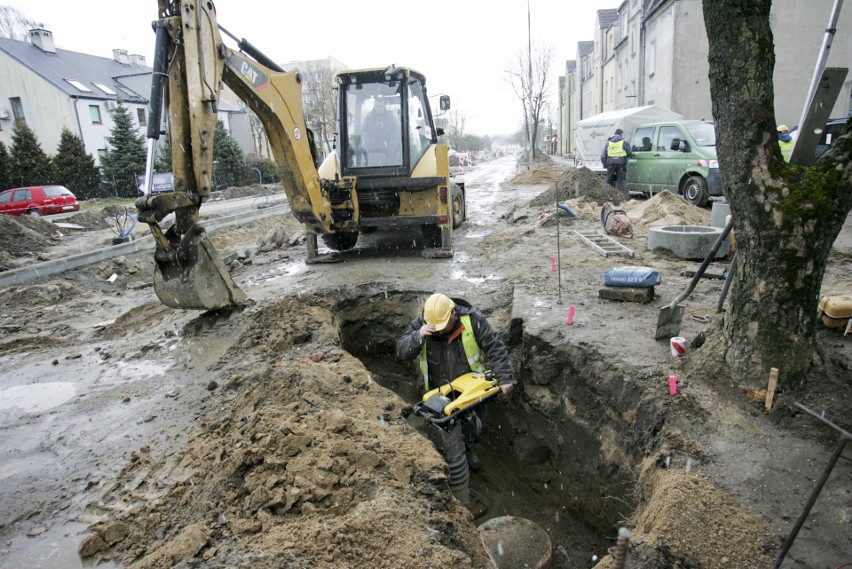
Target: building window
x=140, y=114
x=17, y=108
x=105, y=89
x=130, y=94
x=95, y=114
x=79, y=85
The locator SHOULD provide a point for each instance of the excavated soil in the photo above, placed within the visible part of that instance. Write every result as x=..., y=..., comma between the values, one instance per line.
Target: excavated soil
x=279, y=434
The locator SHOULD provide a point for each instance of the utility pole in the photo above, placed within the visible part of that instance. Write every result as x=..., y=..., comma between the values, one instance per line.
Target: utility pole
x=530, y=126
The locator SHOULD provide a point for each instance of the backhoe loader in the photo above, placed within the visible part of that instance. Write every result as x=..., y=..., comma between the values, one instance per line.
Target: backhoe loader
x=399, y=179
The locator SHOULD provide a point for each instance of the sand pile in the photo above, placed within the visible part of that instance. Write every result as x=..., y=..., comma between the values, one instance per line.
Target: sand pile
x=665, y=208
x=540, y=173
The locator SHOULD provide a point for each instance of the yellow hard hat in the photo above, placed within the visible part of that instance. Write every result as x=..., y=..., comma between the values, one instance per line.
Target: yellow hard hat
x=782, y=128
x=438, y=310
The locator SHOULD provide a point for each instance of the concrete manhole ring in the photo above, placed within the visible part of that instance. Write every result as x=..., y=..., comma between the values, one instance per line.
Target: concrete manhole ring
x=687, y=241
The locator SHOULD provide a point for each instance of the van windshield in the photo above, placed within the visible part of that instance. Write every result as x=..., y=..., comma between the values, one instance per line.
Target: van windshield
x=703, y=133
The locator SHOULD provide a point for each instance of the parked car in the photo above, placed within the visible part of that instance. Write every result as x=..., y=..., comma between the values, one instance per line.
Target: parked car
x=833, y=129
x=678, y=156
x=38, y=201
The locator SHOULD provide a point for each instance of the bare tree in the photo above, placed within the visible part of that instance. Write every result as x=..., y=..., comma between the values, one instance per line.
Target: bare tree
x=529, y=76
x=457, y=132
x=258, y=135
x=318, y=94
x=786, y=217
x=14, y=24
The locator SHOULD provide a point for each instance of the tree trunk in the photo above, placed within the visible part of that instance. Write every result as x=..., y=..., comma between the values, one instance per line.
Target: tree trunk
x=785, y=217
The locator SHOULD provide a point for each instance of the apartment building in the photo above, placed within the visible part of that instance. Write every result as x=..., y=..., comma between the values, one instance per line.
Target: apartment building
x=655, y=52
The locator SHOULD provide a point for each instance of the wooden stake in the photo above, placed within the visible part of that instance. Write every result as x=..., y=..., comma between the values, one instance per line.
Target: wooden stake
x=770, y=390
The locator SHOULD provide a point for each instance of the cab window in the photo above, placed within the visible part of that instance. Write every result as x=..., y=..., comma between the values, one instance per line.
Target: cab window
x=642, y=139
x=374, y=127
x=420, y=133
x=665, y=137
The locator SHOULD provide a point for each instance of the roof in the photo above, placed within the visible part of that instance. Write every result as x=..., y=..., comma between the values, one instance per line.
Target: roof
x=570, y=66
x=585, y=48
x=57, y=68
x=653, y=6
x=606, y=18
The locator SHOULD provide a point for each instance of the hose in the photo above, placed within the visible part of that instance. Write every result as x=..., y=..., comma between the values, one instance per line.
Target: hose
x=121, y=224
x=568, y=210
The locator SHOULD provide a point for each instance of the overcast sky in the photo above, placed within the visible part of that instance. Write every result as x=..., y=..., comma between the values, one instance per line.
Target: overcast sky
x=462, y=46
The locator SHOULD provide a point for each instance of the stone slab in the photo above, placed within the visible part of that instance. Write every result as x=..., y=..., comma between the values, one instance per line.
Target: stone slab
x=627, y=293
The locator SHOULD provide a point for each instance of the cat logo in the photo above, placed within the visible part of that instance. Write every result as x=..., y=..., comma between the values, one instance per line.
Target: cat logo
x=249, y=72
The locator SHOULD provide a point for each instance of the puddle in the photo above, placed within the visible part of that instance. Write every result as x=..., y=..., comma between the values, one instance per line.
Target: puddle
x=56, y=548
x=283, y=270
x=32, y=462
x=36, y=397
x=462, y=257
x=138, y=370
x=459, y=274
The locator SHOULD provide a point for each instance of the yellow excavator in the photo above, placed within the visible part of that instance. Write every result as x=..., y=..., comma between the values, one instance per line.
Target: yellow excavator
x=387, y=170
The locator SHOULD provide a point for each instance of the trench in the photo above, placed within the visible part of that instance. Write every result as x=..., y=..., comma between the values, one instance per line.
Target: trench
x=558, y=452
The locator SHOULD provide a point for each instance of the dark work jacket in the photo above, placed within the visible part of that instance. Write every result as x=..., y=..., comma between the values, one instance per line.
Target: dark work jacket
x=447, y=361
x=606, y=160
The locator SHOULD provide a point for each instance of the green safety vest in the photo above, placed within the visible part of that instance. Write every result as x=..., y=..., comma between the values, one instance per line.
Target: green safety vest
x=616, y=149
x=786, y=149
x=471, y=351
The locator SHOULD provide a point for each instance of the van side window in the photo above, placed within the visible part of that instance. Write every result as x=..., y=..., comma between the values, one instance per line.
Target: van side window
x=667, y=134
x=642, y=139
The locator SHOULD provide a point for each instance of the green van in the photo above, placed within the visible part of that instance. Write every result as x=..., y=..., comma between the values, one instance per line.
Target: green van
x=678, y=156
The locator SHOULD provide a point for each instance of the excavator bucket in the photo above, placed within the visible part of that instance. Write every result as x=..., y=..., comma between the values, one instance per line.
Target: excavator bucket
x=196, y=277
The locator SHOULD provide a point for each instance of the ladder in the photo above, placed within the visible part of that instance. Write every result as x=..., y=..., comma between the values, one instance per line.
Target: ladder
x=604, y=244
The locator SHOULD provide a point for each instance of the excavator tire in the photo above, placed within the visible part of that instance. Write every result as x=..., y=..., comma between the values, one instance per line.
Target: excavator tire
x=340, y=241
x=459, y=207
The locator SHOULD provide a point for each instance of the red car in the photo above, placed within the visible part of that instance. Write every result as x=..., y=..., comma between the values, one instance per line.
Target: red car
x=38, y=200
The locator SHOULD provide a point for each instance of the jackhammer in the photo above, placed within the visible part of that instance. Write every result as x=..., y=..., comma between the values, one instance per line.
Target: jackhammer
x=451, y=420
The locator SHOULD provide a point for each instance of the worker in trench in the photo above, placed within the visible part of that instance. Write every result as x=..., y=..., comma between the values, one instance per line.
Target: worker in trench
x=452, y=339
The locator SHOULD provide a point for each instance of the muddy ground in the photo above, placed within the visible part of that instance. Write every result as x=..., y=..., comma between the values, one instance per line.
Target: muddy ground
x=278, y=434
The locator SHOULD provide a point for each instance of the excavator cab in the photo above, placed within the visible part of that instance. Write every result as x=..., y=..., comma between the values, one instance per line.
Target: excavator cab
x=388, y=124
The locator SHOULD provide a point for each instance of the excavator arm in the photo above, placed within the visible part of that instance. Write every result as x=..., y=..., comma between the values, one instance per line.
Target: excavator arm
x=194, y=60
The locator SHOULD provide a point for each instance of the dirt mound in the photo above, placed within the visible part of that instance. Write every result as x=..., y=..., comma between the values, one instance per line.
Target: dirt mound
x=580, y=183
x=96, y=219
x=540, y=173
x=691, y=515
x=290, y=475
x=24, y=236
x=247, y=191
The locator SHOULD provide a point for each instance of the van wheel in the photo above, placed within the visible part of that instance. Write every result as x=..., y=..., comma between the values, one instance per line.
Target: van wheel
x=459, y=209
x=34, y=213
x=695, y=191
